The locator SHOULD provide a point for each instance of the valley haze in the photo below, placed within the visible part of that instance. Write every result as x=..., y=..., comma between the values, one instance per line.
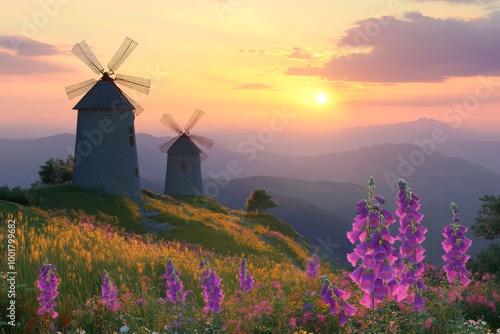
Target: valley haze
x=317, y=192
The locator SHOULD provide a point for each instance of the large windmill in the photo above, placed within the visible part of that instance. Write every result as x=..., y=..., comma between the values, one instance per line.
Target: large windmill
x=105, y=150
x=183, y=176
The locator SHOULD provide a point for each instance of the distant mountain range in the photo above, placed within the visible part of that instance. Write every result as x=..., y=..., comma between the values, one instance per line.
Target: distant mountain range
x=317, y=193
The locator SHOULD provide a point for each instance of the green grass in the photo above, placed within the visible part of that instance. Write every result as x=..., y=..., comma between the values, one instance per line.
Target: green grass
x=203, y=202
x=74, y=198
x=274, y=223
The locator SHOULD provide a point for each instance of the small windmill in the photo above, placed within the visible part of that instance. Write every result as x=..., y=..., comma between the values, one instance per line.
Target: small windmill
x=183, y=176
x=105, y=150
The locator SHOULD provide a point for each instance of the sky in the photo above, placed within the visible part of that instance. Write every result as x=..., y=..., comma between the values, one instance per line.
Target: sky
x=327, y=64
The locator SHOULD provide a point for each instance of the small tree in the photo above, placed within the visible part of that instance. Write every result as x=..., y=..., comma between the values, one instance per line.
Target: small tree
x=259, y=201
x=57, y=171
x=487, y=223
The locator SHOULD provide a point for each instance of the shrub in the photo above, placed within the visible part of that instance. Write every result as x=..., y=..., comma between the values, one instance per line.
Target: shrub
x=18, y=195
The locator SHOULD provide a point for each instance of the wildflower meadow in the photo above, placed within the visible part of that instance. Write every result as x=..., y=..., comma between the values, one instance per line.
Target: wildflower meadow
x=80, y=273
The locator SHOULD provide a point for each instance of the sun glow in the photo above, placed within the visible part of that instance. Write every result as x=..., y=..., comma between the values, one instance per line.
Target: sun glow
x=321, y=98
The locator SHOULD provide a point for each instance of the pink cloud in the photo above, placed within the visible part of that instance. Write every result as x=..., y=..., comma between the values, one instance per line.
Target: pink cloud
x=417, y=48
x=20, y=55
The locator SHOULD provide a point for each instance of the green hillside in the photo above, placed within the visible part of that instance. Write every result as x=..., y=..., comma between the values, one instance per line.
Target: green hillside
x=86, y=235
x=83, y=233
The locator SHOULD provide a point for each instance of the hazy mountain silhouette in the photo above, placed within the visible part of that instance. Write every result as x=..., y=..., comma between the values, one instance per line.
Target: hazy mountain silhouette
x=21, y=158
x=314, y=142
x=308, y=207
x=438, y=176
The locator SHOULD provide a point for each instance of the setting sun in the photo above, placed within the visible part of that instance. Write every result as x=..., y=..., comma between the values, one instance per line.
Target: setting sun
x=321, y=98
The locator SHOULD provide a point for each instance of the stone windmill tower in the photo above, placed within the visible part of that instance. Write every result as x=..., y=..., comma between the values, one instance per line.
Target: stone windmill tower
x=105, y=148
x=183, y=176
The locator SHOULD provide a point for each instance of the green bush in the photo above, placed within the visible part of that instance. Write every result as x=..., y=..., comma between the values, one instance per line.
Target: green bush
x=18, y=195
x=487, y=261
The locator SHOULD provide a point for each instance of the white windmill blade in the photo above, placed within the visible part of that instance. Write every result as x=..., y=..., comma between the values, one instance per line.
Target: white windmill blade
x=203, y=141
x=137, y=107
x=141, y=85
x=164, y=147
x=80, y=88
x=170, y=123
x=122, y=53
x=197, y=114
x=85, y=54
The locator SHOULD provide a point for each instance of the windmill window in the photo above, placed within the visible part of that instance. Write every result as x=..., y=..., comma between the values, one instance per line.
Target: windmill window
x=183, y=166
x=132, y=141
x=137, y=172
x=105, y=115
x=131, y=130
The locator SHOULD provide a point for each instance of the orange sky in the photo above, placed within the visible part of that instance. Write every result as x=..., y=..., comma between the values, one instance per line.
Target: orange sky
x=239, y=60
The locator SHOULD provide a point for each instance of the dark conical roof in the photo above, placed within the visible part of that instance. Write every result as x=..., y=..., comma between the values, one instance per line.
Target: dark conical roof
x=105, y=95
x=184, y=145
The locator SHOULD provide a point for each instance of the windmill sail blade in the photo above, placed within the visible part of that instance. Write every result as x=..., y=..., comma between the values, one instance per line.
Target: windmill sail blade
x=203, y=141
x=139, y=84
x=123, y=52
x=137, y=107
x=194, y=118
x=85, y=54
x=164, y=147
x=170, y=123
x=203, y=156
x=80, y=88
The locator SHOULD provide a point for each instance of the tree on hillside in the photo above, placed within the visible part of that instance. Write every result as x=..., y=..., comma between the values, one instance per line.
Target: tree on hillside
x=487, y=223
x=259, y=201
x=57, y=171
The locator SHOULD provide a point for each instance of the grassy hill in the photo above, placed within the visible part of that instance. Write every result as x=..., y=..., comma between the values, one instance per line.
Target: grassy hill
x=83, y=233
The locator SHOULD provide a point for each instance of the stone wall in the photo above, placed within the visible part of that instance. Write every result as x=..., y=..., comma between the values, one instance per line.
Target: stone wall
x=106, y=153
x=183, y=176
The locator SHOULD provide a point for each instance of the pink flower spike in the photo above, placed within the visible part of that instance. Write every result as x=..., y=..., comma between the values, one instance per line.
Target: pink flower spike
x=366, y=300
x=367, y=282
x=352, y=258
x=418, y=303
x=341, y=293
x=351, y=310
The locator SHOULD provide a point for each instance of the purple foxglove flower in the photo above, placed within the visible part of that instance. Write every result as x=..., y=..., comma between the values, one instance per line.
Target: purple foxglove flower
x=418, y=303
x=411, y=252
x=337, y=300
x=386, y=273
x=212, y=292
x=174, y=288
x=361, y=249
x=353, y=258
x=369, y=262
x=367, y=282
x=47, y=283
x=379, y=289
x=341, y=293
x=312, y=267
x=108, y=292
x=455, y=245
x=372, y=237
x=246, y=280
